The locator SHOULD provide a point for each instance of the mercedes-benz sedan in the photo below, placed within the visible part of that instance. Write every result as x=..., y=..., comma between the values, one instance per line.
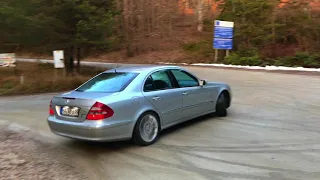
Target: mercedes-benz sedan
x=135, y=103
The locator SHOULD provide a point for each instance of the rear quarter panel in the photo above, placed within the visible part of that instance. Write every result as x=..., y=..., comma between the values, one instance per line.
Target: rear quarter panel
x=129, y=104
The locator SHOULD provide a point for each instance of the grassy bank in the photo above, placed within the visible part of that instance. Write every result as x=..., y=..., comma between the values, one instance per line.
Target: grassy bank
x=40, y=78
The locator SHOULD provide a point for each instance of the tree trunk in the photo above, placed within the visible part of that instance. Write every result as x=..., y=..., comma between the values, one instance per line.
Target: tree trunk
x=71, y=61
x=273, y=19
x=200, y=16
x=69, y=57
x=78, y=59
x=127, y=28
x=66, y=60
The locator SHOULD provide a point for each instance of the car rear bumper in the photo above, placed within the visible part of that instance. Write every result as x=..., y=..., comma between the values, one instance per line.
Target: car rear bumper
x=92, y=131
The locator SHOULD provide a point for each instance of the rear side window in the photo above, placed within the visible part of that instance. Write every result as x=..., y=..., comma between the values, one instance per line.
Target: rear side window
x=158, y=81
x=108, y=82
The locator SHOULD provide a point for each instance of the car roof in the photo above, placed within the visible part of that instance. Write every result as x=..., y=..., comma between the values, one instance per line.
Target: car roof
x=139, y=69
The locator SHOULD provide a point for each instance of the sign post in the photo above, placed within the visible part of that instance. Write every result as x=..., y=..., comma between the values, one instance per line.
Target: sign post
x=223, y=36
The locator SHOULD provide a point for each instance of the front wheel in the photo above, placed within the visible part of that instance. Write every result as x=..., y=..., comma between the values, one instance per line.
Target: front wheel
x=146, y=130
x=221, y=106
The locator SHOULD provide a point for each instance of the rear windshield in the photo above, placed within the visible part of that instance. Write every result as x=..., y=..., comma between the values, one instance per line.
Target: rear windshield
x=108, y=82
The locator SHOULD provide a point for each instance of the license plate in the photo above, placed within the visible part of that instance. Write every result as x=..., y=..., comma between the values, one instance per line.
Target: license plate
x=70, y=111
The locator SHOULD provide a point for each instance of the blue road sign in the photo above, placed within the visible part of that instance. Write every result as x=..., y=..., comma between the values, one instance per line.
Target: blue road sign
x=219, y=43
x=223, y=32
x=223, y=35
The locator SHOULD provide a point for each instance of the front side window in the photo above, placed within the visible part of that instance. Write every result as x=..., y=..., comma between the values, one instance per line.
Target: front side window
x=108, y=82
x=158, y=81
x=184, y=79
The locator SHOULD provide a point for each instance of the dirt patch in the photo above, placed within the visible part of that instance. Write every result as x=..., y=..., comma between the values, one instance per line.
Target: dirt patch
x=23, y=157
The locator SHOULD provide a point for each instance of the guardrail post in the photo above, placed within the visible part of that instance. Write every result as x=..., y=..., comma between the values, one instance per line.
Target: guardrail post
x=21, y=79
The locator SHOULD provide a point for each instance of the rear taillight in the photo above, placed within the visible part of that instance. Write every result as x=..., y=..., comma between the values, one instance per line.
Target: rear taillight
x=51, y=111
x=99, y=111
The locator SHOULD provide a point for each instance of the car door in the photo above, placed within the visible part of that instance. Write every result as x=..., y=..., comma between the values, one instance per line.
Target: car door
x=159, y=89
x=196, y=99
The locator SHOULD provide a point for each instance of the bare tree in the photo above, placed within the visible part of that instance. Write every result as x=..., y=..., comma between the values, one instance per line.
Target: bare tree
x=200, y=15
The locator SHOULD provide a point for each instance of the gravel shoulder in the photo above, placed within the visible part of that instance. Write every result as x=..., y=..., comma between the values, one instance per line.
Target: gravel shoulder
x=22, y=156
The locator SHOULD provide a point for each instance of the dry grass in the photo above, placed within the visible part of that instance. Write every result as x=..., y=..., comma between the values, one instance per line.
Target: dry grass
x=40, y=78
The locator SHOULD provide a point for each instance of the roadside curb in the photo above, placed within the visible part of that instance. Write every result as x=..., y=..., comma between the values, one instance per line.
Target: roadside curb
x=266, y=68
x=291, y=72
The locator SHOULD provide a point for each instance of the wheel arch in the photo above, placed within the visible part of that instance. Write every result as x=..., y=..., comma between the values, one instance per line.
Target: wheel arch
x=145, y=112
x=227, y=96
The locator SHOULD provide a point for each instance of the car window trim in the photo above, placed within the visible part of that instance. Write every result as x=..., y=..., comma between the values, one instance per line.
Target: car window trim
x=173, y=78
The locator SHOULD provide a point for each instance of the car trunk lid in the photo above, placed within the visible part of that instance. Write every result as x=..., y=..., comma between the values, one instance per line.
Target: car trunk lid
x=81, y=101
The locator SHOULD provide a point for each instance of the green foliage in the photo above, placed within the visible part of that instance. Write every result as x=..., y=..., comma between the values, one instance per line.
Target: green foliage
x=236, y=59
x=17, y=26
x=208, y=25
x=302, y=59
x=261, y=23
x=56, y=24
x=252, y=21
x=193, y=47
x=7, y=85
x=201, y=48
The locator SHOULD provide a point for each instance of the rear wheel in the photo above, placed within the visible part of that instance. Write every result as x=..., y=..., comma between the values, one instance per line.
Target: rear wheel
x=221, y=106
x=146, y=130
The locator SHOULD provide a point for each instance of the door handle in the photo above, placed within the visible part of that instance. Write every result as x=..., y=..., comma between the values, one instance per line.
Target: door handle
x=156, y=98
x=185, y=93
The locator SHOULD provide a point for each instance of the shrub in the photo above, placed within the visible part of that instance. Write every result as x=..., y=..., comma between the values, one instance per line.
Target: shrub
x=302, y=59
x=200, y=49
x=236, y=59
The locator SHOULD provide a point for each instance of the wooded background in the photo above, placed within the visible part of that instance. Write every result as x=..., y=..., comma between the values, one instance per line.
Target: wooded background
x=264, y=29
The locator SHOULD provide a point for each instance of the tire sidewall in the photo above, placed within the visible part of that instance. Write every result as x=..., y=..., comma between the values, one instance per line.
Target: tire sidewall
x=137, y=139
x=221, y=107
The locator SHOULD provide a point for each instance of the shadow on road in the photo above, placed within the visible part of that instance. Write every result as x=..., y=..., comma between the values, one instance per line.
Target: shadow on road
x=103, y=147
x=187, y=124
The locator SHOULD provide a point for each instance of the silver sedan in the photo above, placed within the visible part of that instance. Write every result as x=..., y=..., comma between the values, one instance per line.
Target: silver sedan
x=135, y=103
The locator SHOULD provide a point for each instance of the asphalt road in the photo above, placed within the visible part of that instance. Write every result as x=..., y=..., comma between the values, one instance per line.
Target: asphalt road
x=272, y=132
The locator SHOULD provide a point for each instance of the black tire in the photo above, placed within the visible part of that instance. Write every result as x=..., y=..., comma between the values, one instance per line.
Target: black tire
x=137, y=136
x=221, y=106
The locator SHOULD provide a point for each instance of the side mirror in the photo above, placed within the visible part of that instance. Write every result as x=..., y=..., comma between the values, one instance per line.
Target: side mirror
x=202, y=82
